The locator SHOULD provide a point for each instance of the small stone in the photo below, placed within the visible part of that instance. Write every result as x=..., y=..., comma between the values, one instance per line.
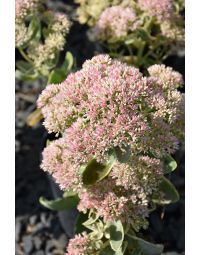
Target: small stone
x=27, y=244
x=37, y=228
x=33, y=219
x=37, y=242
x=44, y=220
x=18, y=229
x=40, y=252
x=49, y=246
x=62, y=241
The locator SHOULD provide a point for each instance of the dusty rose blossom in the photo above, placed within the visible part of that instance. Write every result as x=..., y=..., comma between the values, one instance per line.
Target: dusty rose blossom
x=105, y=105
x=115, y=23
x=162, y=9
x=112, y=202
x=55, y=161
x=139, y=171
x=101, y=105
x=81, y=244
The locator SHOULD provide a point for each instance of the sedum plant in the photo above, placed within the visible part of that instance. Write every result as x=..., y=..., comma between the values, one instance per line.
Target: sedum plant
x=117, y=130
x=40, y=36
x=141, y=32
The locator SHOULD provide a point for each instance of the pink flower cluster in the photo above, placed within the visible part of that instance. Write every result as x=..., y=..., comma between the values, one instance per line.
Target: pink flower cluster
x=80, y=245
x=116, y=22
x=96, y=112
x=106, y=105
x=162, y=9
x=113, y=202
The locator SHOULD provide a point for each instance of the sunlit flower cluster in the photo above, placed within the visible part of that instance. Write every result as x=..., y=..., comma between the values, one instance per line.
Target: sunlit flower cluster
x=115, y=23
x=131, y=28
x=103, y=107
x=23, y=8
x=161, y=9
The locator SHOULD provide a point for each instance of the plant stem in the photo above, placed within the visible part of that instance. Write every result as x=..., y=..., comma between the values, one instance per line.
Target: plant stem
x=24, y=55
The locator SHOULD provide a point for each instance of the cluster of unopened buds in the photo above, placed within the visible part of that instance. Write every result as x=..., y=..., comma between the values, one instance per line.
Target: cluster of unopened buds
x=117, y=126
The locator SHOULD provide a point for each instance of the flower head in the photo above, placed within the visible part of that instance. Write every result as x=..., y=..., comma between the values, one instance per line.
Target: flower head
x=115, y=23
x=81, y=244
x=163, y=10
x=105, y=107
x=23, y=8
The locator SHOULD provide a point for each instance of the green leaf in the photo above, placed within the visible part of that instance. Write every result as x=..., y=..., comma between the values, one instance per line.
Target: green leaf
x=116, y=235
x=123, y=154
x=95, y=171
x=92, y=218
x=33, y=28
x=143, y=247
x=167, y=193
x=56, y=76
x=67, y=202
x=79, y=227
x=143, y=34
x=25, y=76
x=23, y=65
x=68, y=62
x=169, y=164
x=107, y=251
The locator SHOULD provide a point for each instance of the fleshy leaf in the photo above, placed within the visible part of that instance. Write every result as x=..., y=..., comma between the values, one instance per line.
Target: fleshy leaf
x=116, y=235
x=95, y=171
x=68, y=62
x=34, y=118
x=93, y=217
x=34, y=28
x=168, y=193
x=56, y=76
x=143, y=247
x=23, y=65
x=79, y=227
x=169, y=164
x=67, y=202
x=26, y=76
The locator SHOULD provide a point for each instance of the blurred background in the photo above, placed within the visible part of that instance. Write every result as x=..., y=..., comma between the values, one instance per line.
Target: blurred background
x=38, y=230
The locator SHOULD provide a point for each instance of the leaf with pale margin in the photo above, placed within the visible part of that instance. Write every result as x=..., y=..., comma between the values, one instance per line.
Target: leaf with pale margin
x=94, y=171
x=116, y=235
x=168, y=193
x=60, y=204
x=169, y=164
x=93, y=217
x=68, y=62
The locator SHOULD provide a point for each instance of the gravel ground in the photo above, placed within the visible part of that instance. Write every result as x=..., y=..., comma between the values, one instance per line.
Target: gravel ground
x=38, y=230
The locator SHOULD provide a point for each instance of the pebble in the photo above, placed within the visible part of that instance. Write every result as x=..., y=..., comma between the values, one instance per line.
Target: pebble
x=18, y=228
x=27, y=244
x=33, y=219
x=38, y=242
x=37, y=228
x=40, y=252
x=49, y=246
